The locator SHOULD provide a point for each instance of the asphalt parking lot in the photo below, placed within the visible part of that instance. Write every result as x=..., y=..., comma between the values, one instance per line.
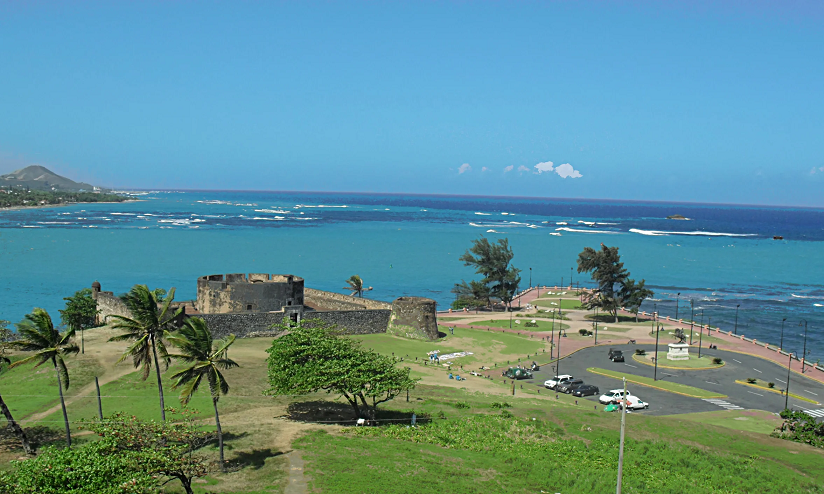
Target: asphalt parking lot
x=722, y=380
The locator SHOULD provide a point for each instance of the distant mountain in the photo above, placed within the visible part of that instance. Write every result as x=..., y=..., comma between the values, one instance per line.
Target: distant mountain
x=38, y=177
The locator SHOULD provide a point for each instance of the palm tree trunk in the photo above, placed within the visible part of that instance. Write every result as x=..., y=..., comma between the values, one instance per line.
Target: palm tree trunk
x=219, y=436
x=159, y=382
x=63, y=405
x=15, y=427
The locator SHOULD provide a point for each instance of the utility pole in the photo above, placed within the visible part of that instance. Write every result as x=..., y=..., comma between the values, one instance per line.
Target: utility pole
x=781, y=345
x=735, y=330
x=621, y=450
x=552, y=336
x=787, y=396
x=692, y=318
x=596, y=325
x=677, y=299
x=804, y=352
x=701, y=334
x=570, y=278
x=558, y=363
x=657, y=333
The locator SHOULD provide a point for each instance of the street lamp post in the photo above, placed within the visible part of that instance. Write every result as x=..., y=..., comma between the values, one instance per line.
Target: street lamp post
x=530, y=277
x=657, y=333
x=570, y=278
x=781, y=345
x=692, y=318
x=787, y=396
x=596, y=325
x=552, y=336
x=701, y=333
x=677, y=299
x=735, y=330
x=558, y=363
x=804, y=352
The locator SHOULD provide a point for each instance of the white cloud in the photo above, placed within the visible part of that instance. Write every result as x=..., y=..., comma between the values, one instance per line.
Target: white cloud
x=464, y=168
x=812, y=171
x=508, y=168
x=566, y=170
x=484, y=169
x=821, y=169
x=546, y=166
x=522, y=168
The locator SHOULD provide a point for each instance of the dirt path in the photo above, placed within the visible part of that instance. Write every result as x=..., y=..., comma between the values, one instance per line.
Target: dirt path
x=296, y=483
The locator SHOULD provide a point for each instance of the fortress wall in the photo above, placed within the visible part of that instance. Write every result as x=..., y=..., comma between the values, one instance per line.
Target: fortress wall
x=109, y=305
x=329, y=298
x=258, y=324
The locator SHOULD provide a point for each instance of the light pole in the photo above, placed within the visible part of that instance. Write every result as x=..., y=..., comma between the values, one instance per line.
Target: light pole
x=781, y=345
x=804, y=352
x=570, y=278
x=735, y=330
x=701, y=334
x=558, y=363
x=692, y=318
x=677, y=299
x=657, y=333
x=787, y=396
x=510, y=317
x=530, y=277
x=596, y=325
x=552, y=336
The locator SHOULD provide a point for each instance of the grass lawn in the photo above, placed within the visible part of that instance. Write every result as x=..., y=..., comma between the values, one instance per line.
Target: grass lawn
x=552, y=303
x=663, y=385
x=451, y=318
x=608, y=319
x=543, y=324
x=757, y=421
x=693, y=363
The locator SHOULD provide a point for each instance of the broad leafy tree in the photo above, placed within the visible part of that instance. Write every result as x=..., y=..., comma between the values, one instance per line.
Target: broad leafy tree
x=149, y=325
x=355, y=283
x=5, y=338
x=492, y=262
x=205, y=358
x=608, y=272
x=80, y=313
x=314, y=356
x=38, y=335
x=633, y=294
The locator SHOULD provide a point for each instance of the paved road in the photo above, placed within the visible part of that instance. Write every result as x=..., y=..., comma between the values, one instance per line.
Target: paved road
x=722, y=380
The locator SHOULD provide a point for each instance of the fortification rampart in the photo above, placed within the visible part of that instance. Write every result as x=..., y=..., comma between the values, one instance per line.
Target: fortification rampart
x=108, y=305
x=259, y=324
x=241, y=293
x=328, y=301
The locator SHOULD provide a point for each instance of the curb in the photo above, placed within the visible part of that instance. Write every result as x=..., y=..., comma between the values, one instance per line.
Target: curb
x=797, y=397
x=589, y=369
x=723, y=363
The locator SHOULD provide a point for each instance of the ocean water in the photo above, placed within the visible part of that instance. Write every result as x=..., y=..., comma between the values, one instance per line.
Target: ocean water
x=723, y=257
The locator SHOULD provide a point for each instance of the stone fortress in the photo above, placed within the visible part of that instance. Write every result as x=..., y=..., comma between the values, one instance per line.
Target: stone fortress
x=247, y=305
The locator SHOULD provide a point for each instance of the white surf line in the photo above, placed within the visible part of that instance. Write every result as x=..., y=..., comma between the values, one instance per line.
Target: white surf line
x=750, y=392
x=810, y=392
x=756, y=370
x=737, y=361
x=781, y=380
x=630, y=365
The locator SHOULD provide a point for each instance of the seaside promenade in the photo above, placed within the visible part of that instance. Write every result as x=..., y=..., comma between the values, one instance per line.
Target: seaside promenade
x=724, y=340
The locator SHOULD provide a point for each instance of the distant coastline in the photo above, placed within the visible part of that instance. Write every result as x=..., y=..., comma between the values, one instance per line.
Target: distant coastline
x=64, y=204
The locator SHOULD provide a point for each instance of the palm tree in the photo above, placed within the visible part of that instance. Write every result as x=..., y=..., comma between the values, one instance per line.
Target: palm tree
x=37, y=334
x=206, y=357
x=13, y=425
x=149, y=324
x=356, y=285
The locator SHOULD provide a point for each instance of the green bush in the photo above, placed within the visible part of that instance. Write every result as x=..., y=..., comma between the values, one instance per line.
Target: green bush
x=440, y=414
x=770, y=385
x=502, y=404
x=640, y=351
x=584, y=332
x=461, y=404
x=506, y=414
x=717, y=361
x=751, y=380
x=531, y=324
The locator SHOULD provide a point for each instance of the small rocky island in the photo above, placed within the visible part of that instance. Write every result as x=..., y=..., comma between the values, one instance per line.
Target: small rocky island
x=677, y=217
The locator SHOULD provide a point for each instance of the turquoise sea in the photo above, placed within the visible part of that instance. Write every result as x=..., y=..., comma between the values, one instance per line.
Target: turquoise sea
x=722, y=257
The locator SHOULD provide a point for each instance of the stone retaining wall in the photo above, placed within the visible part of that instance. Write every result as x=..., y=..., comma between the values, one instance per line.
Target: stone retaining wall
x=259, y=324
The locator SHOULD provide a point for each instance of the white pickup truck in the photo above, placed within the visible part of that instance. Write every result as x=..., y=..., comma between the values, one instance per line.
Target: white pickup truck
x=551, y=383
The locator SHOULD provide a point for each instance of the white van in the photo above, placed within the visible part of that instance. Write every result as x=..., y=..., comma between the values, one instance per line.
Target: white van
x=613, y=395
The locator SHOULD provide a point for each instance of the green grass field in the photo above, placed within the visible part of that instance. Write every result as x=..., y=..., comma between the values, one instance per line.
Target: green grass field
x=660, y=384
x=543, y=324
x=741, y=420
x=553, y=303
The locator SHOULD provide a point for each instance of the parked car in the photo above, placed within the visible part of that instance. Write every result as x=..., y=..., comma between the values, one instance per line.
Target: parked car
x=585, y=390
x=551, y=383
x=617, y=356
x=568, y=386
x=634, y=403
x=612, y=396
x=612, y=351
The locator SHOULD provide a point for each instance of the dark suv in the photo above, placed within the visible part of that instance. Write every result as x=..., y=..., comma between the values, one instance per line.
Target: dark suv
x=568, y=386
x=617, y=356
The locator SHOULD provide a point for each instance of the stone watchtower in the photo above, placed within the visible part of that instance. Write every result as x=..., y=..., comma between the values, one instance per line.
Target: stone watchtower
x=414, y=317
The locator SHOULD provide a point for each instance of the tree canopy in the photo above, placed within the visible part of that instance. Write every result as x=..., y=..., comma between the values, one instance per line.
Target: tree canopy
x=492, y=262
x=314, y=356
x=80, y=312
x=615, y=288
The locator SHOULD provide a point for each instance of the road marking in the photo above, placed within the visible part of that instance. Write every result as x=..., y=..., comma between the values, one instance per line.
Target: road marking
x=752, y=393
x=723, y=404
x=670, y=375
x=781, y=381
x=756, y=370
x=737, y=361
x=712, y=383
x=810, y=392
x=814, y=413
x=630, y=365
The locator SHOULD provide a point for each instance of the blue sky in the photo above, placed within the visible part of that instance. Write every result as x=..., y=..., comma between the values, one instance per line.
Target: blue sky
x=685, y=101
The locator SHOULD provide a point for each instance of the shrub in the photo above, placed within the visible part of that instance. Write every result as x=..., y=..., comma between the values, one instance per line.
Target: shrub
x=441, y=415
x=751, y=380
x=640, y=351
x=506, y=414
x=584, y=332
x=770, y=385
x=531, y=324
x=502, y=404
x=461, y=404
x=717, y=361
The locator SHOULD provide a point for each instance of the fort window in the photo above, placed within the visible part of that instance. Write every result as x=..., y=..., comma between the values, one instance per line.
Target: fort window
x=249, y=307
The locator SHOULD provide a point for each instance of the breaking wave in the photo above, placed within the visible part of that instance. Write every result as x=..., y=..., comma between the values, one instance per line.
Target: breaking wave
x=697, y=234
x=565, y=229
